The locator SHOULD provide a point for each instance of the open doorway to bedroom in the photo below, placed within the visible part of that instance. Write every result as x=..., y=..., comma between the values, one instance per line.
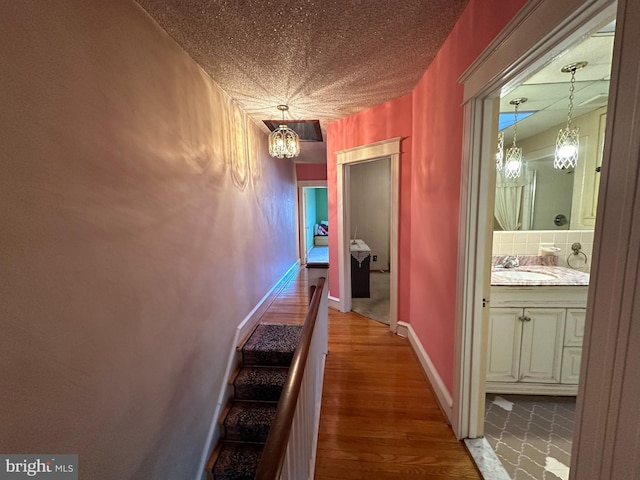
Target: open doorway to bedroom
x=314, y=224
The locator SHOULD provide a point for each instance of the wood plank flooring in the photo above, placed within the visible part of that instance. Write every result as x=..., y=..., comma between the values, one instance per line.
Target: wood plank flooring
x=380, y=419
x=292, y=303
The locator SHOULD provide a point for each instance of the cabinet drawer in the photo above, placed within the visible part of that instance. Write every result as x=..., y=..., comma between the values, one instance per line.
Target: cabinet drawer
x=574, y=327
x=571, y=357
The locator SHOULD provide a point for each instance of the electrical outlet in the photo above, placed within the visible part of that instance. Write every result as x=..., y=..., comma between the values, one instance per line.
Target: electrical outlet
x=375, y=258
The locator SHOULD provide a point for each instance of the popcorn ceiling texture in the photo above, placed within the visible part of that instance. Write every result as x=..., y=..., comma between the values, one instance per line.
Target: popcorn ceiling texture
x=326, y=59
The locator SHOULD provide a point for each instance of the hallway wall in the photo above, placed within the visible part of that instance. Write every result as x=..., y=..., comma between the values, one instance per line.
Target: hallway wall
x=128, y=246
x=430, y=122
x=436, y=176
x=389, y=120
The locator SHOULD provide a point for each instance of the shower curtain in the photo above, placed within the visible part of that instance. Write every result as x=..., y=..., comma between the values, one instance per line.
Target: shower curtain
x=509, y=193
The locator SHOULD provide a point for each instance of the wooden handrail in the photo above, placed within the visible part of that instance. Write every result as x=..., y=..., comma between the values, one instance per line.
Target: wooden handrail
x=275, y=448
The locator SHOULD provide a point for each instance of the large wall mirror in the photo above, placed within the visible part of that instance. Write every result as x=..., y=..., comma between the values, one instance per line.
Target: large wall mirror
x=543, y=197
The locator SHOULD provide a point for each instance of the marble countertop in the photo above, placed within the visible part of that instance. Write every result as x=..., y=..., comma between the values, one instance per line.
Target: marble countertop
x=556, y=276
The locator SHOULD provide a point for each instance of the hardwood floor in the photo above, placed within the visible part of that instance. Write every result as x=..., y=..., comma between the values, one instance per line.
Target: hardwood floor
x=379, y=418
x=292, y=303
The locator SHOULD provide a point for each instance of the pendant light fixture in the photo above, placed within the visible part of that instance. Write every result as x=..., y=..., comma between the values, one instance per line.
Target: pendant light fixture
x=500, y=151
x=284, y=142
x=568, y=138
x=513, y=155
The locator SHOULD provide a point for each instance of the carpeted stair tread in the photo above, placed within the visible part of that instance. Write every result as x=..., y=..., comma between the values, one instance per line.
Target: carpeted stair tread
x=237, y=461
x=260, y=383
x=271, y=345
x=249, y=421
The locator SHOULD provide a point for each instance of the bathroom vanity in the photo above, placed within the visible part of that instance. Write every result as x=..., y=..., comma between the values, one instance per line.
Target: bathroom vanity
x=536, y=327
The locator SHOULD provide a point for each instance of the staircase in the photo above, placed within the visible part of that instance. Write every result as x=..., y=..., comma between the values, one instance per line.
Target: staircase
x=258, y=383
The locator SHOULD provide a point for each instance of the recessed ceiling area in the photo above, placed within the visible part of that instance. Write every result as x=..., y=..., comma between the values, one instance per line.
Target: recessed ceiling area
x=307, y=130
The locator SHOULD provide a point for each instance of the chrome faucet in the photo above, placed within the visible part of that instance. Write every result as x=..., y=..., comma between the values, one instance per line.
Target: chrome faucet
x=510, y=261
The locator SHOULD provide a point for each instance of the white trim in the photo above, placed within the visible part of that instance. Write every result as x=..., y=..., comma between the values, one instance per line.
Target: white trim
x=243, y=329
x=544, y=30
x=473, y=276
x=541, y=31
x=250, y=321
x=444, y=396
x=607, y=415
x=365, y=153
x=301, y=217
x=334, y=303
x=311, y=183
x=517, y=388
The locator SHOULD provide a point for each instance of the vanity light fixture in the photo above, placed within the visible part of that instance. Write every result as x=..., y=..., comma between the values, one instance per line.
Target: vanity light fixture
x=568, y=138
x=513, y=155
x=500, y=151
x=283, y=141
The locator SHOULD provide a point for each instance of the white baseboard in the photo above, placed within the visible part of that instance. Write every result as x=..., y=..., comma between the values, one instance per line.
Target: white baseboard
x=243, y=329
x=250, y=321
x=334, y=302
x=440, y=389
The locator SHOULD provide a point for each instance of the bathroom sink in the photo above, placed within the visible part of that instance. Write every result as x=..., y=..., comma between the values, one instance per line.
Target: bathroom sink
x=523, y=275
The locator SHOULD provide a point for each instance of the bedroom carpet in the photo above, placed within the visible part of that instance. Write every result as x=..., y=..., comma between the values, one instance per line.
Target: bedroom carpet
x=376, y=307
x=531, y=435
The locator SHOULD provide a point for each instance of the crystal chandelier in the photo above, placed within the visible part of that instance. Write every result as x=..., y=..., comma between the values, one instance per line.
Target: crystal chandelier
x=284, y=142
x=500, y=151
x=568, y=138
x=513, y=155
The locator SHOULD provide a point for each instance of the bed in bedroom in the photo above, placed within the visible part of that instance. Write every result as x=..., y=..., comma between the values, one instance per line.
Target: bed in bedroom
x=321, y=233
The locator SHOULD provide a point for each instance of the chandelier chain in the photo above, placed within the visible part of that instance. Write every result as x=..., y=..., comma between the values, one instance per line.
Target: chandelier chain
x=572, y=88
x=515, y=124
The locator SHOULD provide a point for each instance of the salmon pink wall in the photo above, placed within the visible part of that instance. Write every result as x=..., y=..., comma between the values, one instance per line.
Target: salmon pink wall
x=435, y=179
x=389, y=120
x=311, y=171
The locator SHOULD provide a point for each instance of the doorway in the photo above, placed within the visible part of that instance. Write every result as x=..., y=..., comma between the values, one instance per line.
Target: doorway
x=313, y=222
x=511, y=60
x=389, y=149
x=529, y=422
x=370, y=224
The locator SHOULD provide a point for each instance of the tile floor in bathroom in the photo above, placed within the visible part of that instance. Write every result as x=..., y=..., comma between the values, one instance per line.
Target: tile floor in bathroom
x=531, y=435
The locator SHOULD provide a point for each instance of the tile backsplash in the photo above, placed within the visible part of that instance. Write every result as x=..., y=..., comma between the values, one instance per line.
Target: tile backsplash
x=528, y=243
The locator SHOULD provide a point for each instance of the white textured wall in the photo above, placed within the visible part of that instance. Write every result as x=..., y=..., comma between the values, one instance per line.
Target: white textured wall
x=133, y=195
x=370, y=196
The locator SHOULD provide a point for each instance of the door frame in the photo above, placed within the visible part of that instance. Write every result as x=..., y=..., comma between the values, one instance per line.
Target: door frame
x=540, y=31
x=302, y=215
x=366, y=153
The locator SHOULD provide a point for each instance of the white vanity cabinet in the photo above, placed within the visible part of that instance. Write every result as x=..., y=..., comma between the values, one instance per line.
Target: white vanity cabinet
x=535, y=339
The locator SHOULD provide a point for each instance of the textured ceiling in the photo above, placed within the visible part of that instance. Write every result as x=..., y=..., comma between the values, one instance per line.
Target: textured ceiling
x=326, y=59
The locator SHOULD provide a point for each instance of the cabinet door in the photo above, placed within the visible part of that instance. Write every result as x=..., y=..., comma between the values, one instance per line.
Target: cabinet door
x=542, y=342
x=505, y=332
x=574, y=329
x=571, y=365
